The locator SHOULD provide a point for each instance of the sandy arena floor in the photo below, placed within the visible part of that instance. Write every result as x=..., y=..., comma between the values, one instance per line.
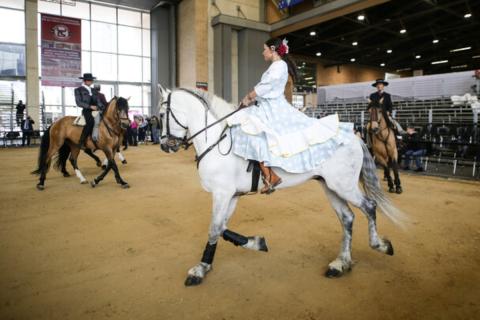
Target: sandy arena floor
x=73, y=252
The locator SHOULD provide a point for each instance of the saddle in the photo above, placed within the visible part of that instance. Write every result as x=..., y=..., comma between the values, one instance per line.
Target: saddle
x=80, y=120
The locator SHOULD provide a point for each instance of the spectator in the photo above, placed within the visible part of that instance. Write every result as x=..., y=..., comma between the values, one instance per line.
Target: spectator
x=133, y=141
x=27, y=130
x=20, y=109
x=142, y=130
x=155, y=125
x=414, y=148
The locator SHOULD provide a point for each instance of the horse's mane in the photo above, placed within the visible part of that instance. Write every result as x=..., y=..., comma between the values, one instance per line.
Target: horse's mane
x=217, y=105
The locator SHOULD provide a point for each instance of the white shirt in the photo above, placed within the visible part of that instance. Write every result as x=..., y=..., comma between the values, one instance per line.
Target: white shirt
x=272, y=84
x=88, y=88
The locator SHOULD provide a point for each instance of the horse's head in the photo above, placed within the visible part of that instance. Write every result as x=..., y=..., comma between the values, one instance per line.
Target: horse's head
x=174, y=122
x=118, y=109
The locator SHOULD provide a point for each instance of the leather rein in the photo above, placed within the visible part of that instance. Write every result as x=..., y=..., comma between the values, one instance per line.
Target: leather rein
x=187, y=142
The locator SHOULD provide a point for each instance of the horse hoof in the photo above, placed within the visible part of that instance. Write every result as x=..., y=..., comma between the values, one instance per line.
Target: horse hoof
x=66, y=174
x=83, y=182
x=389, y=250
x=99, y=164
x=125, y=186
x=193, y=281
x=262, y=245
x=40, y=187
x=333, y=273
x=93, y=184
x=124, y=162
x=399, y=190
x=391, y=190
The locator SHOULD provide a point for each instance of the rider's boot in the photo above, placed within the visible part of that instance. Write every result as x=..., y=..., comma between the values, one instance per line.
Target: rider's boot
x=270, y=179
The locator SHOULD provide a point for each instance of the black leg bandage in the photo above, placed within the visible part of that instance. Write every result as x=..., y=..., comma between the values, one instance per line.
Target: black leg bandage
x=209, y=253
x=235, y=238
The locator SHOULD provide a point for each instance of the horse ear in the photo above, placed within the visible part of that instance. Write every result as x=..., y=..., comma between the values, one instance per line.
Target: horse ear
x=161, y=89
x=128, y=99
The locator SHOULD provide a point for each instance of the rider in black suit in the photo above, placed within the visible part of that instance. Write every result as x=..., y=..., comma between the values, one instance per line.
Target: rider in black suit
x=86, y=99
x=384, y=100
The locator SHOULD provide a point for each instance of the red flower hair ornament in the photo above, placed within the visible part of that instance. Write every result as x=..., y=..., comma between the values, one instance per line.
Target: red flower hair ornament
x=283, y=48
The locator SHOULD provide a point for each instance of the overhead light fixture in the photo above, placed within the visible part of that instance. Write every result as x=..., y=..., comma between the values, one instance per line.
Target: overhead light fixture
x=463, y=66
x=418, y=56
x=461, y=49
x=440, y=62
x=404, y=69
x=318, y=54
x=382, y=64
x=361, y=17
x=402, y=31
x=355, y=43
x=309, y=78
x=389, y=51
x=467, y=15
x=352, y=60
x=435, y=41
x=476, y=57
x=313, y=33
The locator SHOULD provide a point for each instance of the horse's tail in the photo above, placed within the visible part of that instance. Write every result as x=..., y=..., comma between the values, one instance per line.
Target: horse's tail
x=62, y=157
x=42, y=154
x=373, y=190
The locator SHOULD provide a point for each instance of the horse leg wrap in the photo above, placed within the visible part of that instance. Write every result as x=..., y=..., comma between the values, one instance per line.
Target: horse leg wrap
x=235, y=238
x=209, y=253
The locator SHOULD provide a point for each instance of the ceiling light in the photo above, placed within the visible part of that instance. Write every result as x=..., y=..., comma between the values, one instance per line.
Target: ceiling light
x=418, y=56
x=403, y=31
x=463, y=66
x=476, y=57
x=361, y=17
x=440, y=62
x=352, y=60
x=382, y=64
x=404, y=69
x=313, y=33
x=467, y=15
x=461, y=49
x=309, y=78
x=389, y=51
x=318, y=54
x=435, y=41
x=354, y=43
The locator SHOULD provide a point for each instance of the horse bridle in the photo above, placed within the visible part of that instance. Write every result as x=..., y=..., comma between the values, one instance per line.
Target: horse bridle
x=174, y=141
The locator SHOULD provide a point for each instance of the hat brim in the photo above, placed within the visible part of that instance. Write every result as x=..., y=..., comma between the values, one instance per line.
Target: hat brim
x=385, y=83
x=92, y=78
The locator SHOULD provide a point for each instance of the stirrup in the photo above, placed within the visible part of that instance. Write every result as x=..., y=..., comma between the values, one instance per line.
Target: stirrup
x=269, y=187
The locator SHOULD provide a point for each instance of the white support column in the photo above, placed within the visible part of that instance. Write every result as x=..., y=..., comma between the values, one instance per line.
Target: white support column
x=31, y=49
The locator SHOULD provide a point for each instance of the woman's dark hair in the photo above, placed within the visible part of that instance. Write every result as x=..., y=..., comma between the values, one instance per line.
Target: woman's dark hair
x=292, y=68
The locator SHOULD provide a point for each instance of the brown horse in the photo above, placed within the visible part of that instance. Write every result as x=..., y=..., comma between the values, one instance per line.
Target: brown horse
x=384, y=145
x=63, y=131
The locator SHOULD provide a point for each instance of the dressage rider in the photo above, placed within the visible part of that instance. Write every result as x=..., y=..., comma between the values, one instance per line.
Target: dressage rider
x=86, y=98
x=384, y=100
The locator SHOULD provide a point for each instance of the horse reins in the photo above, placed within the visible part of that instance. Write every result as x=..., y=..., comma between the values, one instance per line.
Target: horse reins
x=187, y=142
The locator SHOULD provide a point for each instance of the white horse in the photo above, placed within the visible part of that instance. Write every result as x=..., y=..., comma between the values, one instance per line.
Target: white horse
x=225, y=175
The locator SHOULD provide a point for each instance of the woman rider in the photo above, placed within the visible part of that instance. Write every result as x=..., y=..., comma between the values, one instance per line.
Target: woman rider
x=275, y=133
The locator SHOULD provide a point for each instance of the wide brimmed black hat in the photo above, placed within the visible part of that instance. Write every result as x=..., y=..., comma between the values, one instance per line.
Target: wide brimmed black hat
x=88, y=77
x=385, y=83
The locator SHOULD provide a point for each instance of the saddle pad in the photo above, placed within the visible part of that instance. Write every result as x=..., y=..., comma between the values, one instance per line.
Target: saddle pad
x=80, y=120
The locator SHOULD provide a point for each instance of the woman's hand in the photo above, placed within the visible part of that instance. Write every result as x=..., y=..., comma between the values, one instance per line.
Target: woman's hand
x=246, y=101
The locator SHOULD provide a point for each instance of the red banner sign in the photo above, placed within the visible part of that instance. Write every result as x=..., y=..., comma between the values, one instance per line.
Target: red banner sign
x=61, y=51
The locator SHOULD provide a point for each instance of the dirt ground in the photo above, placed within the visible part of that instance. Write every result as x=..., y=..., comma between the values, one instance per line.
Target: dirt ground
x=73, y=252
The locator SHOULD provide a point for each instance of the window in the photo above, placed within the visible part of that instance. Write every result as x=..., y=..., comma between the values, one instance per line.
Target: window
x=12, y=25
x=104, y=37
x=79, y=10
x=146, y=20
x=129, y=18
x=146, y=43
x=129, y=40
x=104, y=66
x=15, y=4
x=85, y=35
x=104, y=13
x=129, y=69
x=146, y=70
x=133, y=92
x=49, y=7
x=12, y=60
x=86, y=66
